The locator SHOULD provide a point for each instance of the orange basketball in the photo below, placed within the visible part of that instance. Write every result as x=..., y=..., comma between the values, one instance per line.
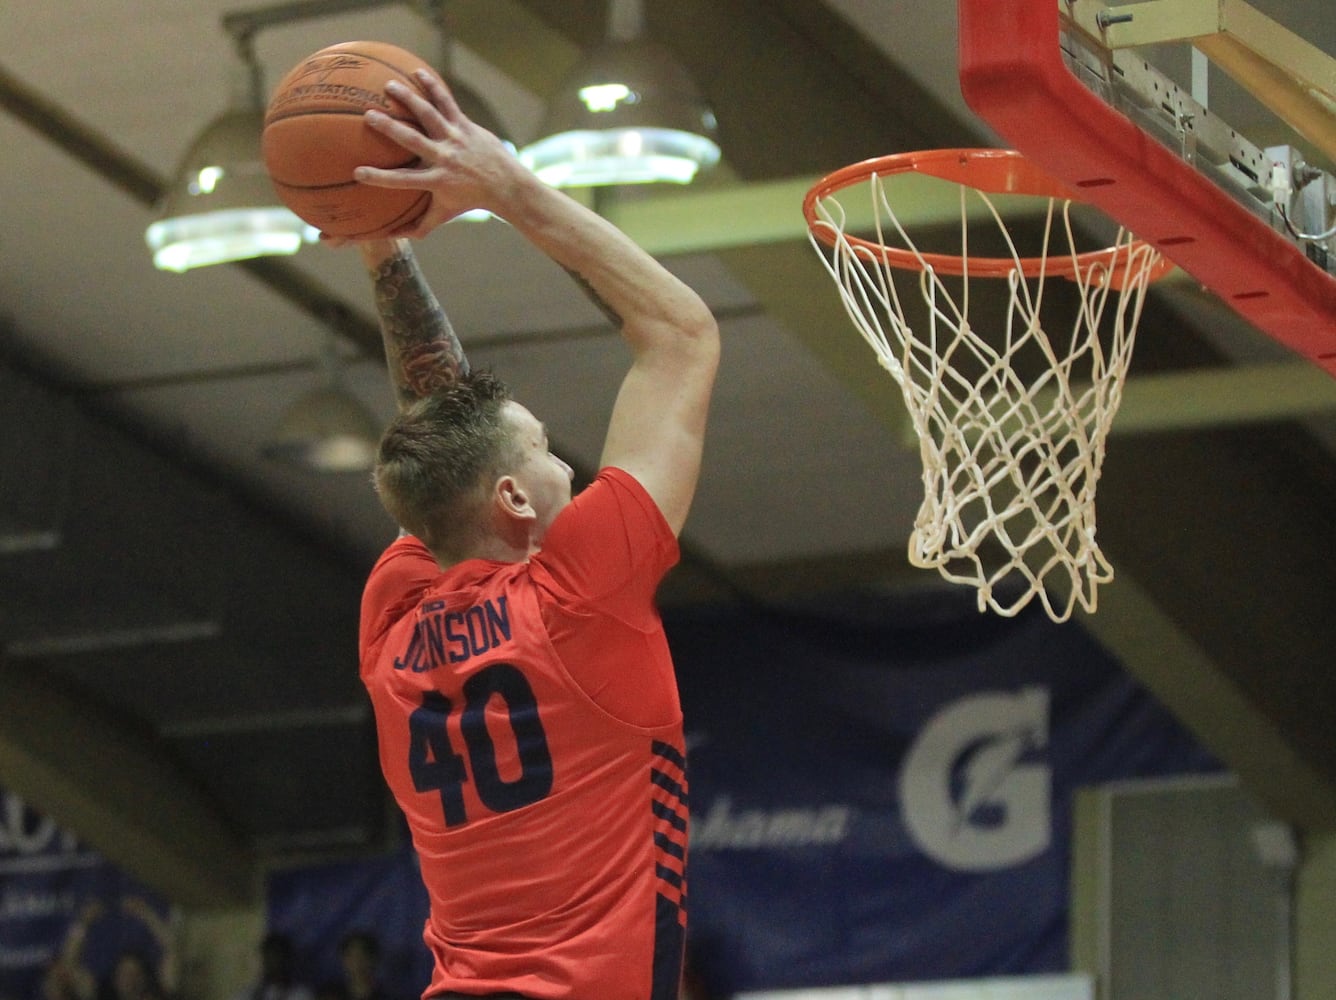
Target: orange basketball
x=314, y=136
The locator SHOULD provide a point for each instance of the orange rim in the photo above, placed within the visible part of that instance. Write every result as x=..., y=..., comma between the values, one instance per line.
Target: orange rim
x=995, y=171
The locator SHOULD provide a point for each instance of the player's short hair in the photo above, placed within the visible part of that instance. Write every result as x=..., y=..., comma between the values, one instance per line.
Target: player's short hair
x=439, y=459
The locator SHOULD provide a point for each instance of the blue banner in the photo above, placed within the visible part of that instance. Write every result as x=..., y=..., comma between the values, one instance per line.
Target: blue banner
x=882, y=791
x=49, y=882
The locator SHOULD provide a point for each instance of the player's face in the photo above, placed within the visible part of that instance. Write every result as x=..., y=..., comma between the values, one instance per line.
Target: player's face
x=544, y=477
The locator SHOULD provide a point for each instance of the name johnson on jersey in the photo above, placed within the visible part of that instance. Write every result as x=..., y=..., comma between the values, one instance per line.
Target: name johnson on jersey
x=452, y=636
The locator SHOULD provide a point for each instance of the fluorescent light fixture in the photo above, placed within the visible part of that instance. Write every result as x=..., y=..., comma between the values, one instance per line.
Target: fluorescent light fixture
x=606, y=96
x=188, y=241
x=620, y=156
x=221, y=205
x=629, y=114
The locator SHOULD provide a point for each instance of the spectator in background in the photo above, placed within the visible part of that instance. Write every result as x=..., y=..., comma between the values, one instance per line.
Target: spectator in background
x=132, y=976
x=67, y=977
x=359, y=953
x=278, y=980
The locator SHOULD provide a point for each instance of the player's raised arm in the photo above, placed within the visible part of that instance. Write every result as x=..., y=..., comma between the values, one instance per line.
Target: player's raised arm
x=657, y=428
x=421, y=349
x=656, y=432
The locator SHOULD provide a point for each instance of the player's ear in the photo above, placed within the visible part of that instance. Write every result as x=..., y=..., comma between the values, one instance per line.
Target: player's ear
x=512, y=498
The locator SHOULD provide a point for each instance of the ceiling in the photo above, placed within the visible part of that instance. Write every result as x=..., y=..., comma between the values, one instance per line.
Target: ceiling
x=178, y=611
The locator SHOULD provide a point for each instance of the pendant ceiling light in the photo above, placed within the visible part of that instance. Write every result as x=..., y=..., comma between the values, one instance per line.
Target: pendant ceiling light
x=629, y=113
x=328, y=429
x=220, y=205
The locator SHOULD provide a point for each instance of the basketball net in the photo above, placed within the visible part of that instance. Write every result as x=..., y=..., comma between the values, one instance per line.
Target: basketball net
x=1010, y=463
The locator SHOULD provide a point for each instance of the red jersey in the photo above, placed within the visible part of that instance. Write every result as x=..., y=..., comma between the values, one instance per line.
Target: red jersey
x=530, y=729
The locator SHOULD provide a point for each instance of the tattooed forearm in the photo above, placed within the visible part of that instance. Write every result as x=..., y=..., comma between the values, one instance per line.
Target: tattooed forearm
x=613, y=316
x=426, y=368
x=421, y=348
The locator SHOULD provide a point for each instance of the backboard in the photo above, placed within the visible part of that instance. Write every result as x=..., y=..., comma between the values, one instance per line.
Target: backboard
x=1063, y=82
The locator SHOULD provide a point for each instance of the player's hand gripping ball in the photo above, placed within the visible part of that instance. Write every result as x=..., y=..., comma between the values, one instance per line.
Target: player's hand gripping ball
x=314, y=136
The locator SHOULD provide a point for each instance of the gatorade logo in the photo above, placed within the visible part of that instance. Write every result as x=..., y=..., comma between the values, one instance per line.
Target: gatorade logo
x=974, y=796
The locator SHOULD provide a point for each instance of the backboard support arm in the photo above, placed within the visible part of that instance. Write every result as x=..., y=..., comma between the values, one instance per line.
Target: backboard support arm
x=1013, y=76
x=1287, y=73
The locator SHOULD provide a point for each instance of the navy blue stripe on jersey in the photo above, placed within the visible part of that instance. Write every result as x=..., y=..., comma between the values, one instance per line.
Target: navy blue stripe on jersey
x=670, y=753
x=669, y=876
x=670, y=786
x=668, y=801
x=669, y=816
x=669, y=949
x=670, y=848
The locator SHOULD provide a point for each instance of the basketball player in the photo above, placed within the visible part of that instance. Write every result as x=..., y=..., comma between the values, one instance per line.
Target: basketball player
x=524, y=697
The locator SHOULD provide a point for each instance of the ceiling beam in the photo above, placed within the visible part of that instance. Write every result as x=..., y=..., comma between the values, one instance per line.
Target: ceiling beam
x=145, y=186
x=1159, y=653
x=790, y=284
x=705, y=218
x=91, y=774
x=1219, y=397
x=516, y=40
x=1229, y=532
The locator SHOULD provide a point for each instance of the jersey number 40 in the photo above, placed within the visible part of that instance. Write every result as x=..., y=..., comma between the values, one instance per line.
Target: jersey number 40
x=437, y=767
